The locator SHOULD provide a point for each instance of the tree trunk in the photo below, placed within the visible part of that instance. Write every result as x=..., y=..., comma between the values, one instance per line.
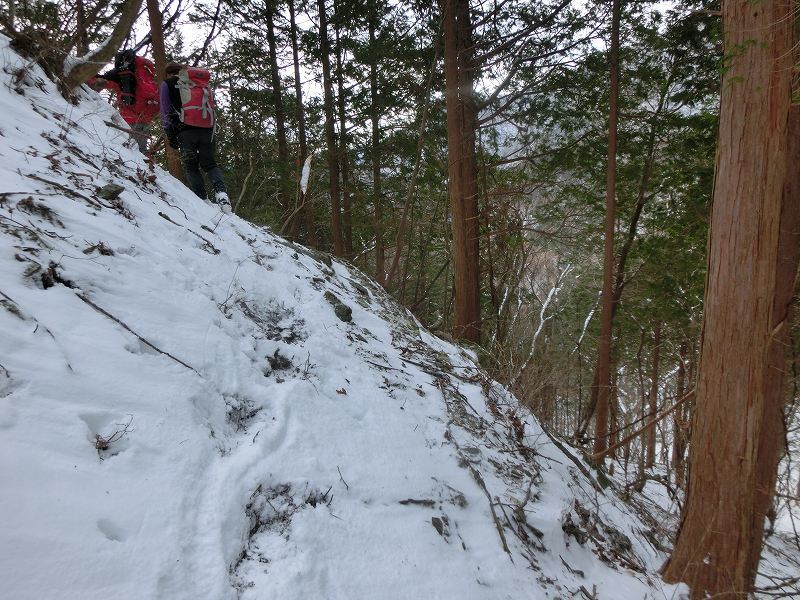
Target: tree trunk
x=688, y=409
x=460, y=71
x=752, y=263
x=627, y=244
x=424, y=244
x=81, y=34
x=87, y=65
x=662, y=432
x=613, y=426
x=280, y=115
x=412, y=187
x=606, y=314
x=330, y=134
x=377, y=199
x=652, y=404
x=311, y=235
x=160, y=59
x=642, y=397
x=347, y=220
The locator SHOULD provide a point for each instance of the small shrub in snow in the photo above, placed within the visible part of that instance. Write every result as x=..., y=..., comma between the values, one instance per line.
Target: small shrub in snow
x=103, y=443
x=240, y=412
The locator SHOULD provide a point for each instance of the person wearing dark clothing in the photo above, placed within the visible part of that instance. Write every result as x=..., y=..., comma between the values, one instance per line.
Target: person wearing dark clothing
x=133, y=81
x=196, y=144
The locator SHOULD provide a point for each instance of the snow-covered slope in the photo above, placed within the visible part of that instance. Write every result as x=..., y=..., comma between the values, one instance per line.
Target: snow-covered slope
x=191, y=407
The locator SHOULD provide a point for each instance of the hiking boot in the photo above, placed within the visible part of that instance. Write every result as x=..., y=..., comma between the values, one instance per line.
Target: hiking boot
x=224, y=202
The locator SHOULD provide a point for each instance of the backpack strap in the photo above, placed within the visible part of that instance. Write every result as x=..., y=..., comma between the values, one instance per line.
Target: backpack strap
x=205, y=106
x=183, y=83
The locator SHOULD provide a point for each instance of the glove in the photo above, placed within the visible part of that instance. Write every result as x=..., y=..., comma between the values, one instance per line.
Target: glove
x=98, y=83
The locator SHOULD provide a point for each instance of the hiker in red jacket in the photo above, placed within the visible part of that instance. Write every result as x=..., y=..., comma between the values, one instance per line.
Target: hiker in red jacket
x=133, y=80
x=187, y=116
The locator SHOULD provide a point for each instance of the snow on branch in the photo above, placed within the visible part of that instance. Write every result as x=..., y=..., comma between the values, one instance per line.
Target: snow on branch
x=543, y=318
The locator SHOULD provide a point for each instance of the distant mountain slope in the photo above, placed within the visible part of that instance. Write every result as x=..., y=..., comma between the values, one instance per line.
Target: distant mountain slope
x=191, y=407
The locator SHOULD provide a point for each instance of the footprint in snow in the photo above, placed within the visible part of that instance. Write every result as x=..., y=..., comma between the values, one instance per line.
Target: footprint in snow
x=111, y=530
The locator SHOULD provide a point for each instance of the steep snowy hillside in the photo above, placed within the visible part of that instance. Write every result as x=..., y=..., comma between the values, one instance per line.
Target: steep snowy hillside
x=191, y=407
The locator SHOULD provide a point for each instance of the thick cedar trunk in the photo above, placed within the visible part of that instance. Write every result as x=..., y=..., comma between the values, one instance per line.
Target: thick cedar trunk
x=462, y=171
x=470, y=322
x=160, y=60
x=157, y=38
x=652, y=399
x=311, y=236
x=280, y=115
x=606, y=316
x=330, y=134
x=89, y=63
x=678, y=435
x=347, y=221
x=772, y=443
x=752, y=261
x=377, y=200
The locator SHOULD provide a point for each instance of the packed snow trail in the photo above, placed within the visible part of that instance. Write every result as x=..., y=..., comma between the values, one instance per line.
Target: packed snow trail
x=192, y=407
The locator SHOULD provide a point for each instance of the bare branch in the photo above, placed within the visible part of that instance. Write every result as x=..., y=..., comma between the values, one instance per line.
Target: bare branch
x=78, y=71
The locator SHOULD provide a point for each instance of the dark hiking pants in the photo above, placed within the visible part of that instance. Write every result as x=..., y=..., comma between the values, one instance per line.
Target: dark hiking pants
x=140, y=132
x=197, y=152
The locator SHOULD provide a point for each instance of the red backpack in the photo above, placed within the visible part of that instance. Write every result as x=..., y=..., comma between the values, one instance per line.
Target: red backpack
x=197, y=101
x=138, y=87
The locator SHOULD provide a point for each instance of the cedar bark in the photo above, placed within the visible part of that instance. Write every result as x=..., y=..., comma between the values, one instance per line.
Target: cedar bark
x=330, y=134
x=160, y=60
x=606, y=314
x=88, y=64
x=311, y=235
x=462, y=173
x=752, y=265
x=280, y=114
